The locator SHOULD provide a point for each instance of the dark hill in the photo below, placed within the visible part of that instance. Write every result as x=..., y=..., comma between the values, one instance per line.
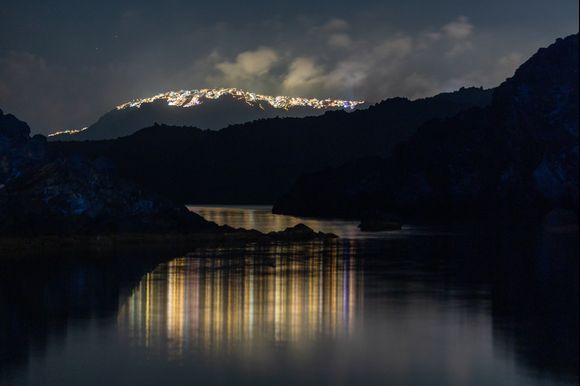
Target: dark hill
x=254, y=162
x=212, y=114
x=518, y=156
x=44, y=193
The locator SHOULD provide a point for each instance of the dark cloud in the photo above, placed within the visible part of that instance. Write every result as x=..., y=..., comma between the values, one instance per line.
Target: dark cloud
x=62, y=64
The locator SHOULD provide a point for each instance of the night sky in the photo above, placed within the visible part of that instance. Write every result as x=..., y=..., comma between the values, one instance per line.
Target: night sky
x=64, y=63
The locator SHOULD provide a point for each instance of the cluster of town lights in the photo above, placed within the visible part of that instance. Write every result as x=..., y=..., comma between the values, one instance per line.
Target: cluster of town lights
x=189, y=98
x=70, y=131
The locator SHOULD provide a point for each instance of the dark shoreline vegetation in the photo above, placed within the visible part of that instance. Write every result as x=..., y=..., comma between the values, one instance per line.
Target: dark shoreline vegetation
x=452, y=156
x=222, y=236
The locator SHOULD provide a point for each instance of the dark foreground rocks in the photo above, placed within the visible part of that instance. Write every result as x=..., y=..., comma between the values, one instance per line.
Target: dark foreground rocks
x=561, y=220
x=218, y=236
x=49, y=194
x=74, y=196
x=55, y=200
x=299, y=232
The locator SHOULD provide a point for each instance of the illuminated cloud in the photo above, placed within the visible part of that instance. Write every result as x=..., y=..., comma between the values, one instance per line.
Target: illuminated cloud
x=501, y=68
x=249, y=64
x=339, y=40
x=303, y=74
x=56, y=78
x=459, y=29
x=347, y=76
x=395, y=48
x=335, y=25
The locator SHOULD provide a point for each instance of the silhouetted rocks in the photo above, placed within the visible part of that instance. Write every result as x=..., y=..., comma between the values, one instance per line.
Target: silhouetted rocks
x=517, y=157
x=51, y=194
x=561, y=220
x=299, y=232
x=51, y=198
x=74, y=196
x=254, y=162
x=18, y=152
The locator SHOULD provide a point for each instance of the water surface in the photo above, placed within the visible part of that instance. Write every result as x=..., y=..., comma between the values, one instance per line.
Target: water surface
x=413, y=307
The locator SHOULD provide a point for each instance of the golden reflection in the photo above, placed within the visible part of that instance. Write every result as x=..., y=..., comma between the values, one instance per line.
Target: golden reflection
x=299, y=294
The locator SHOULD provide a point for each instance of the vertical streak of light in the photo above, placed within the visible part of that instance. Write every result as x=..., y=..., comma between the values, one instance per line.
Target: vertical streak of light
x=202, y=303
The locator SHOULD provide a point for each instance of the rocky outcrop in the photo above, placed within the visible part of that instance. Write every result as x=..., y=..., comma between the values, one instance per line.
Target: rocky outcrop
x=51, y=198
x=75, y=196
x=18, y=152
x=518, y=156
x=43, y=193
x=299, y=232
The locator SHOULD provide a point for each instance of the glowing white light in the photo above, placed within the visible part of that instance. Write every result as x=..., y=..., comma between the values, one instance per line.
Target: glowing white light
x=190, y=98
x=69, y=131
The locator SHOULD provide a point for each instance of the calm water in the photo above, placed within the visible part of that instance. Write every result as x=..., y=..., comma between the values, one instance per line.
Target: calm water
x=415, y=307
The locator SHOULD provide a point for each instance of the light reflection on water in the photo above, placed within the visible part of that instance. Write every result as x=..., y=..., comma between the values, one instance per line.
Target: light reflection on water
x=403, y=308
x=218, y=304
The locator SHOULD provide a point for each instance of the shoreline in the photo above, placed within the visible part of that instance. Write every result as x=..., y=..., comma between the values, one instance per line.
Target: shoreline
x=240, y=236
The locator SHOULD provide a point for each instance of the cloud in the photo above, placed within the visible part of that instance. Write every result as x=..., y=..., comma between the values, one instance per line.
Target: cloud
x=508, y=63
x=347, y=75
x=340, y=40
x=406, y=64
x=334, y=58
x=455, y=37
x=421, y=84
x=416, y=64
x=458, y=29
x=303, y=74
x=395, y=48
x=249, y=64
x=459, y=48
x=335, y=25
x=496, y=71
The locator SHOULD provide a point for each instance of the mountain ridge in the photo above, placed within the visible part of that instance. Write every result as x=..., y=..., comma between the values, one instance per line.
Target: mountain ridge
x=206, y=108
x=518, y=155
x=253, y=162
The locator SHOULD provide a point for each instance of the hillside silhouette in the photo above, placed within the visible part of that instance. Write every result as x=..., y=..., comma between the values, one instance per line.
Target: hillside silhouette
x=517, y=156
x=211, y=114
x=257, y=161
